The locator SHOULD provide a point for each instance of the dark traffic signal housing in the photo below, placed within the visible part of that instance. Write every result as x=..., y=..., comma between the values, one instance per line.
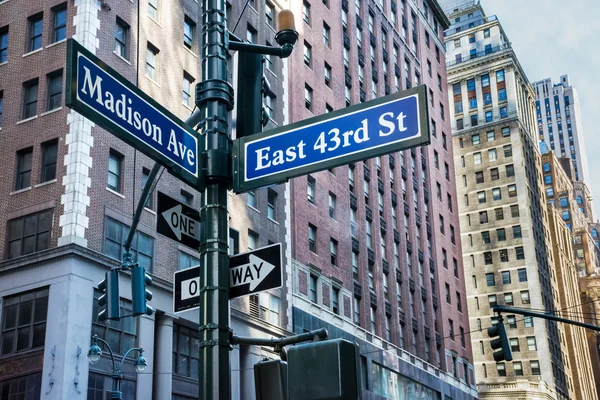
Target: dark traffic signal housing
x=109, y=287
x=499, y=342
x=140, y=295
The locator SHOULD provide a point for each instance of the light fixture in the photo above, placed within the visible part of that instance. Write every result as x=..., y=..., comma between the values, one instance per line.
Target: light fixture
x=95, y=353
x=140, y=363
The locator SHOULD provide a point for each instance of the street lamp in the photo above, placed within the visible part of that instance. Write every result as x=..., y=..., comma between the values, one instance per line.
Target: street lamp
x=95, y=353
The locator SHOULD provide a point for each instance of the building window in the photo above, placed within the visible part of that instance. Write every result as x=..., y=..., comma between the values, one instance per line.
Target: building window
x=326, y=35
x=332, y=202
x=312, y=238
x=508, y=299
x=335, y=300
x=187, y=89
x=252, y=240
x=269, y=308
x=121, y=38
x=270, y=14
x=24, y=159
x=535, y=367
x=500, y=76
x=24, y=322
x=306, y=12
x=59, y=31
x=501, y=368
x=189, y=28
x=492, y=300
x=373, y=320
x=481, y=197
x=142, y=245
x=187, y=261
x=307, y=54
x=271, y=204
x=49, y=150
x=503, y=112
x=518, y=368
x=251, y=34
x=503, y=255
x=23, y=387
x=35, y=32
x=489, y=278
x=115, y=162
x=525, y=297
x=54, y=99
x=496, y=194
x=310, y=188
x=522, y=275
x=3, y=45
x=313, y=288
x=30, y=98
x=506, y=277
x=252, y=199
x=29, y=234
x=531, y=344
x=151, y=62
x=327, y=74
x=475, y=139
x=308, y=92
x=153, y=9
x=186, y=344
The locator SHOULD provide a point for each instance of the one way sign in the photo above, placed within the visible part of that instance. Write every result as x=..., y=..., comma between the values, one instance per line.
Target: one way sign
x=178, y=221
x=255, y=271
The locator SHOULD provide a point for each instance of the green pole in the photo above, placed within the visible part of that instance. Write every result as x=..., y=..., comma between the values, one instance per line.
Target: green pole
x=214, y=98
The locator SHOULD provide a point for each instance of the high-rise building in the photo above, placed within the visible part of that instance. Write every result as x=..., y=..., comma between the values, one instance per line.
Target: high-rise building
x=559, y=122
x=69, y=192
x=504, y=224
x=376, y=246
x=568, y=232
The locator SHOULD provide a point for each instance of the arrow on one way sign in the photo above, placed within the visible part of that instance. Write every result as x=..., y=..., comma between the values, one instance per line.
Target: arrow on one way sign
x=252, y=273
x=181, y=224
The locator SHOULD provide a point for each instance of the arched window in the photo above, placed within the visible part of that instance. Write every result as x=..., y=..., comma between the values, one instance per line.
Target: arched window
x=546, y=167
x=594, y=232
x=579, y=200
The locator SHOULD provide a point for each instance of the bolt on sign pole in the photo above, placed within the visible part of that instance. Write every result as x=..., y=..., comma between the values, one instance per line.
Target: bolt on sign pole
x=214, y=98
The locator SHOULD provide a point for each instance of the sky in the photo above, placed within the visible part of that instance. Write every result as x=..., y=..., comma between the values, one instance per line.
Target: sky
x=553, y=38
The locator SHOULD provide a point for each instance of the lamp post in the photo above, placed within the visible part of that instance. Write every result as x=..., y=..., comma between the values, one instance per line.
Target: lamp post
x=95, y=353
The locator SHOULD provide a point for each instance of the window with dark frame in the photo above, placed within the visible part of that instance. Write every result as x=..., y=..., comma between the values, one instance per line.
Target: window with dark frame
x=120, y=335
x=59, y=30
x=186, y=94
x=270, y=14
x=312, y=238
x=24, y=160
x=186, y=261
x=151, y=62
x=36, y=23
x=3, y=44
x=22, y=386
x=153, y=9
x=115, y=161
x=327, y=74
x=189, y=28
x=311, y=186
x=54, y=99
x=30, y=233
x=142, y=245
x=30, y=98
x=186, y=356
x=49, y=156
x=308, y=92
x=24, y=321
x=121, y=38
x=272, y=204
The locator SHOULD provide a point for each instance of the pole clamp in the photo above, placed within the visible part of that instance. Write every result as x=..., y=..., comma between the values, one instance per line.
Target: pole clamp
x=217, y=166
x=214, y=89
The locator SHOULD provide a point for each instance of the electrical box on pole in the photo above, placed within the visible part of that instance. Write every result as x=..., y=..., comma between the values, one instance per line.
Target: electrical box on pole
x=109, y=287
x=324, y=370
x=139, y=294
x=500, y=342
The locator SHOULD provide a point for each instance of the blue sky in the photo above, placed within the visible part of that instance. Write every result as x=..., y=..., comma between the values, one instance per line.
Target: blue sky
x=556, y=37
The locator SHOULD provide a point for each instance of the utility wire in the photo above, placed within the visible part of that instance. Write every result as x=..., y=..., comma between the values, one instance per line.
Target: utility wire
x=242, y=13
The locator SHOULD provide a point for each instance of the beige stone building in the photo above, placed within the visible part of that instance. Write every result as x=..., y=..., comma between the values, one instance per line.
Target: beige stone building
x=507, y=250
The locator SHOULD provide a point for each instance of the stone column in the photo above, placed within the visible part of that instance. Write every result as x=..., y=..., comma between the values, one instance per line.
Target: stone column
x=163, y=358
x=147, y=342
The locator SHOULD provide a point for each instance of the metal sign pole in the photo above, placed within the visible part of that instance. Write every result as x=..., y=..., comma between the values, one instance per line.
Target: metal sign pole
x=214, y=98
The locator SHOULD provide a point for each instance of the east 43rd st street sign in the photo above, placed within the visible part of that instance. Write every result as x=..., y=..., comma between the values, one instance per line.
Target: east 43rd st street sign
x=105, y=97
x=381, y=126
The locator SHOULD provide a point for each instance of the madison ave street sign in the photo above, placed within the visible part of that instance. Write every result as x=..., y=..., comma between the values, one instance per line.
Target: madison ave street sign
x=177, y=221
x=380, y=126
x=249, y=273
x=101, y=94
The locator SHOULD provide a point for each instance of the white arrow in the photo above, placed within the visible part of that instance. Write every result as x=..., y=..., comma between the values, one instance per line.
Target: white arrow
x=181, y=224
x=252, y=273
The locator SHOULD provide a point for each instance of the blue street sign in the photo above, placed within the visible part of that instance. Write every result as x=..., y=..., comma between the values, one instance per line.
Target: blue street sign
x=101, y=94
x=381, y=126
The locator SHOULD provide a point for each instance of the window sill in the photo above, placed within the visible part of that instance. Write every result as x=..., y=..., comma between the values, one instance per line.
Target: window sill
x=252, y=208
x=152, y=80
x=5, y=62
x=190, y=51
x=27, y=120
x=20, y=191
x=155, y=21
x=186, y=106
x=122, y=58
x=273, y=221
x=115, y=193
x=151, y=211
x=56, y=43
x=32, y=52
x=45, y=183
x=51, y=111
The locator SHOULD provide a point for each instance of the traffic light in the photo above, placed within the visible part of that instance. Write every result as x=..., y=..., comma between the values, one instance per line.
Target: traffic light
x=139, y=294
x=109, y=287
x=500, y=341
